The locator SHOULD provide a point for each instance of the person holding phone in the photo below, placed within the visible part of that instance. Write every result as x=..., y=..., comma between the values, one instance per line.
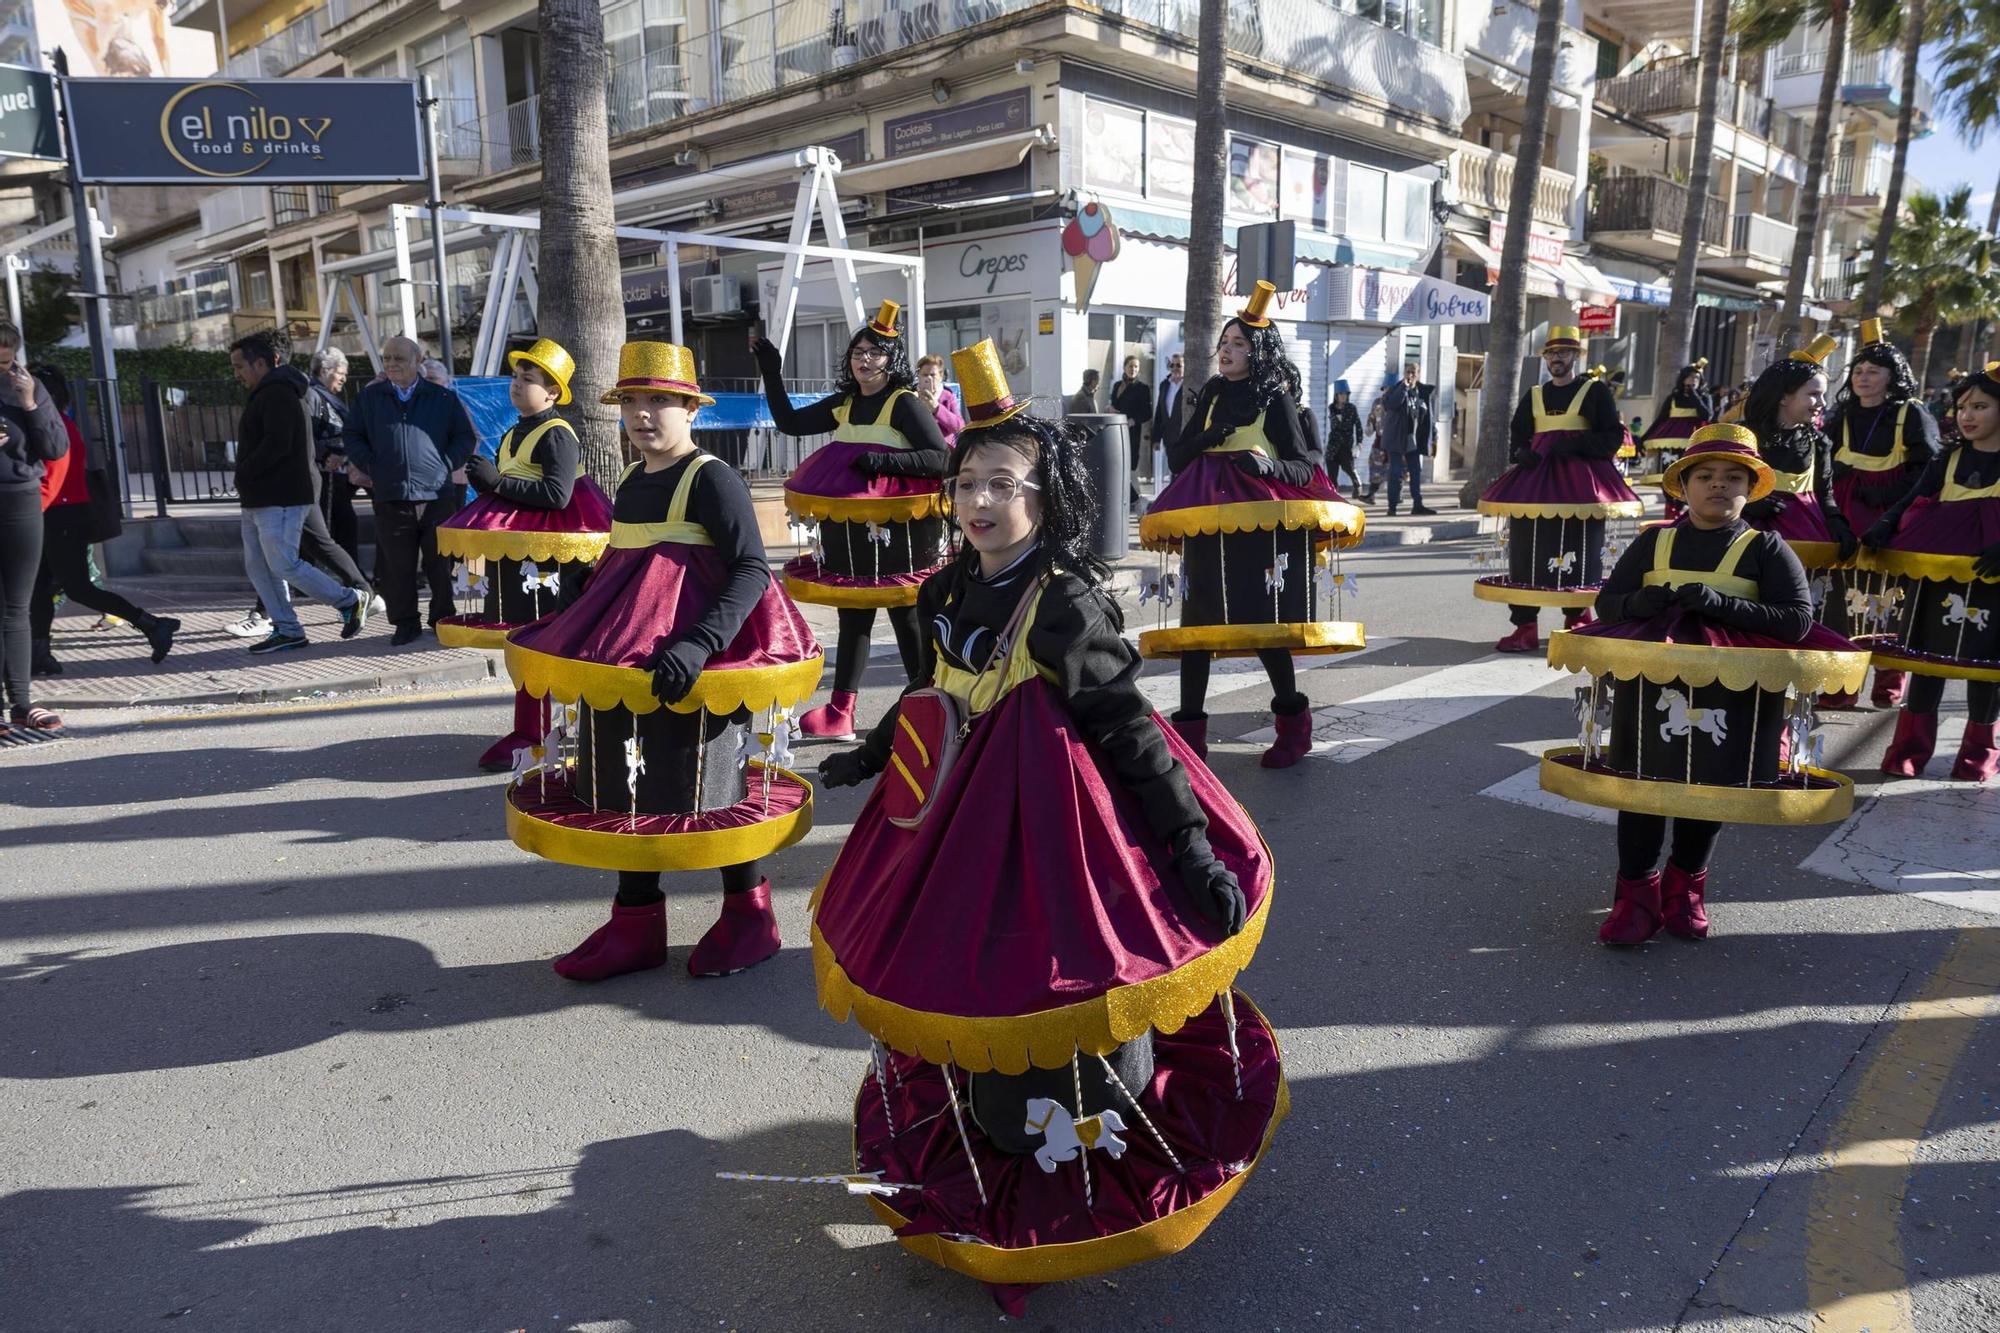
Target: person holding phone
x=31, y=437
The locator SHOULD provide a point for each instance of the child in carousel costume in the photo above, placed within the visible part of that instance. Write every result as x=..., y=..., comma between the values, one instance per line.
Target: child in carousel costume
x=679, y=651
x=1042, y=907
x=1251, y=512
x=1704, y=665
x=536, y=527
x=1782, y=412
x=1883, y=439
x=873, y=492
x=1944, y=537
x=1563, y=486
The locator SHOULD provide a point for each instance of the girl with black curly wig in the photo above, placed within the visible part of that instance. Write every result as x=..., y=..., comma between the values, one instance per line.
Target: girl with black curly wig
x=873, y=493
x=1783, y=411
x=1016, y=877
x=1249, y=508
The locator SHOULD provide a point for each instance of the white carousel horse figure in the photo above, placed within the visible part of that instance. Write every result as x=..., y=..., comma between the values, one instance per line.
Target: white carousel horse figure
x=1956, y=612
x=1563, y=564
x=1064, y=1136
x=1681, y=719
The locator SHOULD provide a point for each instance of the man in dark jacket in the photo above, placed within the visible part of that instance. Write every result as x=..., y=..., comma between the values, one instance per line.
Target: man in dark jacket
x=1132, y=398
x=1407, y=436
x=406, y=437
x=1167, y=412
x=274, y=483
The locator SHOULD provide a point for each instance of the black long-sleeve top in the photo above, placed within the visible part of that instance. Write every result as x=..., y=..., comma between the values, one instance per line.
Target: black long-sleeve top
x=1343, y=428
x=1599, y=408
x=1697, y=399
x=1235, y=404
x=555, y=454
x=1075, y=635
x=1794, y=449
x=1872, y=430
x=927, y=454
x=1969, y=467
x=1783, y=609
x=719, y=501
x=30, y=438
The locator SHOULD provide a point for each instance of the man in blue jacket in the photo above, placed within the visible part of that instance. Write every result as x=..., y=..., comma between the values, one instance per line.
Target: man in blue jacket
x=405, y=439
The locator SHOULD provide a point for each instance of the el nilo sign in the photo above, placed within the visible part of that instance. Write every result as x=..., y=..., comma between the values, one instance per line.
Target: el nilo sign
x=253, y=131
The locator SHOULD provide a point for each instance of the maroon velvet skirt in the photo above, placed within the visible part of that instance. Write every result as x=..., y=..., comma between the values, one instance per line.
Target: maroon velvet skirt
x=1673, y=428
x=587, y=511
x=1213, y=480
x=1561, y=478
x=829, y=471
x=1962, y=527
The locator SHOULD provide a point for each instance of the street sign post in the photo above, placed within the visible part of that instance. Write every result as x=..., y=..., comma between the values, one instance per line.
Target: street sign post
x=1266, y=250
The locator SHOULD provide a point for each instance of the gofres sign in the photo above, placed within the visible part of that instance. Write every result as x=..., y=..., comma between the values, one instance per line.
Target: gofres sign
x=262, y=131
x=1376, y=296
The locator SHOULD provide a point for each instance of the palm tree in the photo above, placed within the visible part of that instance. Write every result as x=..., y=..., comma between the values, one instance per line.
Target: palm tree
x=1202, y=323
x=1677, y=337
x=1940, y=268
x=1914, y=21
x=1510, y=294
x=582, y=303
x=1968, y=85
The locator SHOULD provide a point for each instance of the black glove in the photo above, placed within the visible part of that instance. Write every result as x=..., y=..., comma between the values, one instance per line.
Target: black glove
x=1647, y=601
x=1699, y=598
x=1879, y=534
x=1211, y=884
x=1208, y=439
x=769, y=358
x=1761, y=511
x=1526, y=458
x=1843, y=533
x=1253, y=462
x=675, y=669
x=1987, y=566
x=480, y=471
x=844, y=768
x=868, y=465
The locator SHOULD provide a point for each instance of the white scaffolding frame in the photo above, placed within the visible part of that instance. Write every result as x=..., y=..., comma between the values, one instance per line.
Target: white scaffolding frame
x=12, y=252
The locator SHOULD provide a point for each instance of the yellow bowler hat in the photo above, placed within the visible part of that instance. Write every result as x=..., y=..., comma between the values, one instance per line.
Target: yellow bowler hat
x=1564, y=337
x=982, y=385
x=1736, y=444
x=661, y=367
x=1818, y=350
x=552, y=359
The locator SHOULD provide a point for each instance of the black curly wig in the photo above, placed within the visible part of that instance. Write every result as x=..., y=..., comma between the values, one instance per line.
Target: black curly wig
x=1780, y=380
x=899, y=370
x=1268, y=363
x=1053, y=450
x=1987, y=381
x=1902, y=380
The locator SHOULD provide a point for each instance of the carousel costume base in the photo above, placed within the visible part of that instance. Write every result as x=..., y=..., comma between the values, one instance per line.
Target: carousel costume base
x=1820, y=797
x=1733, y=659
x=552, y=823
x=1035, y=1227
x=1309, y=637
x=1894, y=655
x=1499, y=588
x=1930, y=565
x=472, y=632
x=1333, y=523
x=541, y=547
x=719, y=689
x=806, y=580
x=866, y=508
x=1815, y=555
x=1632, y=508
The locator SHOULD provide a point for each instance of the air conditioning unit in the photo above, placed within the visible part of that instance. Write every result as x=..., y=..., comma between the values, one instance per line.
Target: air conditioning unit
x=721, y=294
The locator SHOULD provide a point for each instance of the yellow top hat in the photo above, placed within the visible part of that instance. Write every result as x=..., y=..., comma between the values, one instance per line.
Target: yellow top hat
x=661, y=367
x=1564, y=337
x=1701, y=363
x=1818, y=350
x=1256, y=313
x=1737, y=444
x=982, y=386
x=1871, y=332
x=884, y=323
x=549, y=357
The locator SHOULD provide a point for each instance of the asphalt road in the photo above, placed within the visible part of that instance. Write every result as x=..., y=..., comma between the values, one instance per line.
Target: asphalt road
x=280, y=1047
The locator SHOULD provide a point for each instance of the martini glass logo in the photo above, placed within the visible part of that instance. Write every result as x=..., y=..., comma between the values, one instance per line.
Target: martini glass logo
x=225, y=129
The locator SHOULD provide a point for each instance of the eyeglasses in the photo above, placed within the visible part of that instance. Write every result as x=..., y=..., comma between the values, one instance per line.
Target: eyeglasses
x=869, y=354
x=1001, y=490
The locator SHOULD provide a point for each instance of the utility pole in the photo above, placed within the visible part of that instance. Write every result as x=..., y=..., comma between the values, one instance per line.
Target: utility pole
x=431, y=104
x=96, y=298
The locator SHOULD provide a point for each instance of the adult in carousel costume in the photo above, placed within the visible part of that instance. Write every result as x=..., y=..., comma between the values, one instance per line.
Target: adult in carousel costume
x=1253, y=516
x=1782, y=411
x=1683, y=412
x=1563, y=486
x=1944, y=536
x=1883, y=439
x=524, y=545
x=1042, y=908
x=873, y=492
x=679, y=651
x=1704, y=666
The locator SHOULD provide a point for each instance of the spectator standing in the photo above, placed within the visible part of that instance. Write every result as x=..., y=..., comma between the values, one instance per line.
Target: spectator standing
x=1084, y=400
x=1132, y=398
x=31, y=437
x=942, y=402
x=329, y=418
x=1407, y=437
x=406, y=438
x=1343, y=435
x=1167, y=409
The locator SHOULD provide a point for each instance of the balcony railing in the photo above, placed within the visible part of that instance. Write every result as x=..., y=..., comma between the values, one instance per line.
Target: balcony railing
x=1650, y=204
x=280, y=53
x=1883, y=69
x=296, y=203
x=639, y=93
x=1484, y=178
x=1759, y=237
x=1666, y=90
x=1859, y=178
x=233, y=207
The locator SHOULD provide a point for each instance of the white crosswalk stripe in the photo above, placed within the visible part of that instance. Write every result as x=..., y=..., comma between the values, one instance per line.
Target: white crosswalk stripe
x=1410, y=708
x=1163, y=688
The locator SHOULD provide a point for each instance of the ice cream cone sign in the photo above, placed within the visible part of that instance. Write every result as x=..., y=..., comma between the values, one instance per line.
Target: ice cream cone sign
x=1090, y=240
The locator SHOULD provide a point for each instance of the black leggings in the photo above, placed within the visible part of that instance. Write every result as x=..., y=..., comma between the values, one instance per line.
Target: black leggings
x=856, y=624
x=66, y=565
x=1640, y=838
x=641, y=888
x=20, y=559
x=1285, y=696
x=1982, y=698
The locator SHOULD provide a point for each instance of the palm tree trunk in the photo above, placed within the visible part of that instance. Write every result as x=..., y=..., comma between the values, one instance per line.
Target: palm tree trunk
x=1993, y=213
x=1892, y=201
x=1202, y=324
x=1510, y=294
x=1677, y=335
x=582, y=303
x=1926, y=334
x=1805, y=245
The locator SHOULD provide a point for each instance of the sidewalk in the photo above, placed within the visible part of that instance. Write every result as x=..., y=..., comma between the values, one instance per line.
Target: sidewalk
x=109, y=668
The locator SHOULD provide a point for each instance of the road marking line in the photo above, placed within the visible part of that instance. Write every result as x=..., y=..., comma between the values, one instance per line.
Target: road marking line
x=1856, y=1275
x=1358, y=728
x=1525, y=788
x=341, y=703
x=1163, y=689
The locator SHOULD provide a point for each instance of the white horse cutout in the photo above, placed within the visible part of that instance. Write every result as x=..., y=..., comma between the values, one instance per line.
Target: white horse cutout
x=1064, y=1137
x=1563, y=564
x=1956, y=612
x=1681, y=719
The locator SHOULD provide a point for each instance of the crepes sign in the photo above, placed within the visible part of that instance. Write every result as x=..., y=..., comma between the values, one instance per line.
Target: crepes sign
x=254, y=131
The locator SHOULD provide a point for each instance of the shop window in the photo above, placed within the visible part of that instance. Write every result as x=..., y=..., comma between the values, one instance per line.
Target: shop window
x=1367, y=193
x=1114, y=147
x=257, y=281
x=1254, y=170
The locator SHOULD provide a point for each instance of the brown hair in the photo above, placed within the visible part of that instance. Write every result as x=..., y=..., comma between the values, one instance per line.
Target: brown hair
x=10, y=336
x=930, y=359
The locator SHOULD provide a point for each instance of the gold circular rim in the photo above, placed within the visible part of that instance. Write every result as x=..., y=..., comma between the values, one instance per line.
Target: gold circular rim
x=1728, y=805
x=1926, y=565
x=482, y=544
x=722, y=691
x=703, y=850
x=456, y=634
x=1311, y=637
x=1633, y=508
x=1166, y=529
x=1487, y=591
x=864, y=509
x=1918, y=666
x=1775, y=669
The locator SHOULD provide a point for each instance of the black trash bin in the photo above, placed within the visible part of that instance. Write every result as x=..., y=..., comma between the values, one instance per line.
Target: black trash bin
x=1107, y=456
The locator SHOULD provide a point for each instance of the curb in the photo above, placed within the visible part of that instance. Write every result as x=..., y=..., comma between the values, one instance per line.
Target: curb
x=484, y=667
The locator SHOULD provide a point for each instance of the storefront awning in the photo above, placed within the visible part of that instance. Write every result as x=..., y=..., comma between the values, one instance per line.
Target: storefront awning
x=900, y=173
x=1573, y=280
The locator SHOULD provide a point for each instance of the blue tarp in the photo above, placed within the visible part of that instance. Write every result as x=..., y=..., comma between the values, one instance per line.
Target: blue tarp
x=492, y=412
x=745, y=411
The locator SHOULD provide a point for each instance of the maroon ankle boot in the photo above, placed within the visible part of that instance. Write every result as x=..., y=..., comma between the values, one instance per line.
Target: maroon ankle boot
x=1910, y=749
x=1635, y=912
x=743, y=936
x=1681, y=902
x=634, y=939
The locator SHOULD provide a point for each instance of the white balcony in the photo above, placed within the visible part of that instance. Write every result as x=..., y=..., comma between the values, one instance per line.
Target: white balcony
x=1482, y=179
x=1760, y=248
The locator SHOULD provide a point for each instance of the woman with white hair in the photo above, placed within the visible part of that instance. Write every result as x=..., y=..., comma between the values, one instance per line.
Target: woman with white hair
x=329, y=419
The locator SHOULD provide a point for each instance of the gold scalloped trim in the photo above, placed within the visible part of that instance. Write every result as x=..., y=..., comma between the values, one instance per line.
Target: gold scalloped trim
x=1919, y=666
x=469, y=543
x=1100, y=1254
x=1046, y=1040
x=1165, y=529
x=1632, y=508
x=864, y=509
x=470, y=636
x=604, y=687
x=1700, y=800
x=1815, y=670
x=826, y=594
x=1922, y=565
x=1815, y=555
x=1308, y=636
x=1568, y=597
x=704, y=850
